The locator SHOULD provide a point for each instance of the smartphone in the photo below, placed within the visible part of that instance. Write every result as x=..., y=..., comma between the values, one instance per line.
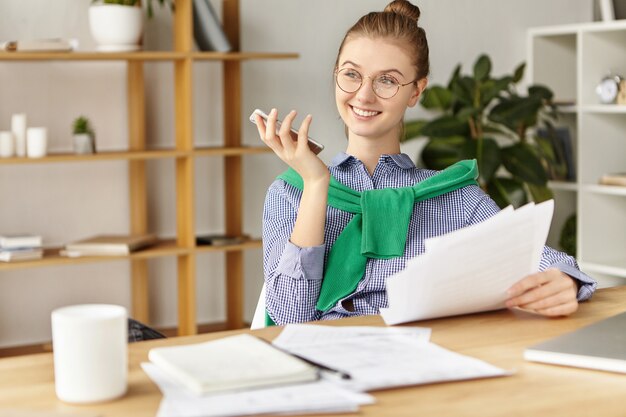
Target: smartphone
x=316, y=147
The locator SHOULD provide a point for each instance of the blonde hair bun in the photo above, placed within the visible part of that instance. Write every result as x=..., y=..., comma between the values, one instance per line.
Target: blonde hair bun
x=404, y=8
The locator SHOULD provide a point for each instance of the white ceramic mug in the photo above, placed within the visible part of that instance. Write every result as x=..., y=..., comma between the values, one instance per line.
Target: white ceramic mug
x=7, y=144
x=36, y=142
x=90, y=352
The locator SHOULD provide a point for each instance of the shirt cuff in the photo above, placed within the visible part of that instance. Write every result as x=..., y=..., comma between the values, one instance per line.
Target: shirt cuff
x=302, y=263
x=586, y=284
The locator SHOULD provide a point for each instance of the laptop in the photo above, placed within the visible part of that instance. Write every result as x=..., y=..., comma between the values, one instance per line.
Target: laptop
x=601, y=345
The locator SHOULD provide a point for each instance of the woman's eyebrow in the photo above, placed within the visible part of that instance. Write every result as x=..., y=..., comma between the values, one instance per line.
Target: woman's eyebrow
x=383, y=71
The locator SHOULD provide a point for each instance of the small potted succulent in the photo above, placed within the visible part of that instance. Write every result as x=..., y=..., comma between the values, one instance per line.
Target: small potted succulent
x=84, y=136
x=117, y=25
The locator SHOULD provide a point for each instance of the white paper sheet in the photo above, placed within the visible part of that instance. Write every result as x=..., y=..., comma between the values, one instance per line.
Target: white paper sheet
x=391, y=361
x=469, y=270
x=312, y=335
x=315, y=397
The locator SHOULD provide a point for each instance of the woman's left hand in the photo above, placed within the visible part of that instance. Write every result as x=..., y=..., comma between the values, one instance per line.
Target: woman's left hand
x=549, y=293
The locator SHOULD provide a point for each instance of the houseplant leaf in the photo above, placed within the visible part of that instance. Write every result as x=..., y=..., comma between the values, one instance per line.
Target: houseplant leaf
x=540, y=91
x=518, y=74
x=413, y=129
x=516, y=112
x=437, y=98
x=445, y=126
x=540, y=192
x=440, y=153
x=463, y=89
x=506, y=192
x=487, y=154
x=482, y=68
x=522, y=162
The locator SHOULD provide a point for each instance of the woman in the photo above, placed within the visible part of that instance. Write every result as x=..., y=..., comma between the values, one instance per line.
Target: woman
x=380, y=71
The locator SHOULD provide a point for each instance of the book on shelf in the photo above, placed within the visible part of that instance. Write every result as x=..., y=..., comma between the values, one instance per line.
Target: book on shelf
x=39, y=45
x=109, y=245
x=220, y=239
x=13, y=241
x=207, y=28
x=618, y=178
x=562, y=167
x=23, y=254
x=232, y=363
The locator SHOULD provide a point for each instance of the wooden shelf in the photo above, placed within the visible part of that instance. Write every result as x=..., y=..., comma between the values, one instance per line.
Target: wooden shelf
x=183, y=151
x=142, y=56
x=240, y=56
x=165, y=247
x=230, y=151
x=100, y=156
x=53, y=258
x=250, y=244
x=140, y=155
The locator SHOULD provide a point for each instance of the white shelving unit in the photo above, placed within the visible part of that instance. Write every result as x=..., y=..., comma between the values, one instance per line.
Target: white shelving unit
x=571, y=60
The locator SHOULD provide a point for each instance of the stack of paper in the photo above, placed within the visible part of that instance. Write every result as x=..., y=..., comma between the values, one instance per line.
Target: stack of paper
x=378, y=358
x=469, y=270
x=241, y=375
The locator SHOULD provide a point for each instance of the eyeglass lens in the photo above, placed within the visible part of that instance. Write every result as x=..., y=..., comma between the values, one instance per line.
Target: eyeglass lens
x=350, y=80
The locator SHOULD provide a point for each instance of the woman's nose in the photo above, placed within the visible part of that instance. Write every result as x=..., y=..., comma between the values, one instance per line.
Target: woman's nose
x=365, y=94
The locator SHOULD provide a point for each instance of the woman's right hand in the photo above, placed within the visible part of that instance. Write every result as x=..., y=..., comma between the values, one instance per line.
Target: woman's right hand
x=296, y=154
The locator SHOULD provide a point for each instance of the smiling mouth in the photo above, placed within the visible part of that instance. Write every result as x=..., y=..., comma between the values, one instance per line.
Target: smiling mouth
x=364, y=113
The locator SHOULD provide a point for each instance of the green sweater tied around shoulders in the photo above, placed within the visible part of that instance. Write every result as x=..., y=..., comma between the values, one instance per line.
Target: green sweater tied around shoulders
x=379, y=227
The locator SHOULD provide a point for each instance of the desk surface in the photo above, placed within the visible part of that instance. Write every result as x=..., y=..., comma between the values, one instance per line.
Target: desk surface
x=500, y=337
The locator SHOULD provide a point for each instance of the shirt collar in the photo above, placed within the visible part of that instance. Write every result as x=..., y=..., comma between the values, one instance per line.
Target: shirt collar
x=402, y=160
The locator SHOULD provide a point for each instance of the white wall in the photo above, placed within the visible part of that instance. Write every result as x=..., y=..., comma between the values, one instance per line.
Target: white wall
x=67, y=202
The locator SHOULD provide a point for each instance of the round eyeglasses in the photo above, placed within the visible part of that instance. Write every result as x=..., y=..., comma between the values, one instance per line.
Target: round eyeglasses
x=384, y=86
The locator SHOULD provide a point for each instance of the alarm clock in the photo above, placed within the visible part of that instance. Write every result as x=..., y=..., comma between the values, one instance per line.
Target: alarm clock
x=608, y=89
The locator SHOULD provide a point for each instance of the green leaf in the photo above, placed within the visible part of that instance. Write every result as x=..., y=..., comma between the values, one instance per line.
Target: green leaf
x=516, y=111
x=492, y=88
x=506, y=192
x=518, y=74
x=487, y=154
x=567, y=240
x=541, y=92
x=463, y=89
x=440, y=153
x=540, y=193
x=445, y=126
x=437, y=97
x=413, y=129
x=523, y=163
x=455, y=76
x=464, y=113
x=482, y=68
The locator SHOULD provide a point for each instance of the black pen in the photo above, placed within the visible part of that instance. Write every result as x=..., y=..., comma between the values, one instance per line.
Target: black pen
x=339, y=373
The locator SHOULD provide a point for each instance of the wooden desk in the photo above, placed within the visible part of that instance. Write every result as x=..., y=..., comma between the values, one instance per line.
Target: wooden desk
x=27, y=382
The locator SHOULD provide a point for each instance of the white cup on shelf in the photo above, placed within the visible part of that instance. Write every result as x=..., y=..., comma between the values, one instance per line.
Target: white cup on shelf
x=18, y=127
x=90, y=352
x=36, y=142
x=7, y=144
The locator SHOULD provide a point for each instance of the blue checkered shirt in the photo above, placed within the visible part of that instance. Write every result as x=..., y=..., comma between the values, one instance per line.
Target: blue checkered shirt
x=293, y=275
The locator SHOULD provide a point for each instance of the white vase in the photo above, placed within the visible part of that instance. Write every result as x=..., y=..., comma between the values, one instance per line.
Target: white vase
x=116, y=28
x=84, y=143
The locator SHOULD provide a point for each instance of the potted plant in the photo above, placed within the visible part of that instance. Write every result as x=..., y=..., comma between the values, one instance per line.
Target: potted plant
x=117, y=25
x=484, y=117
x=84, y=136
